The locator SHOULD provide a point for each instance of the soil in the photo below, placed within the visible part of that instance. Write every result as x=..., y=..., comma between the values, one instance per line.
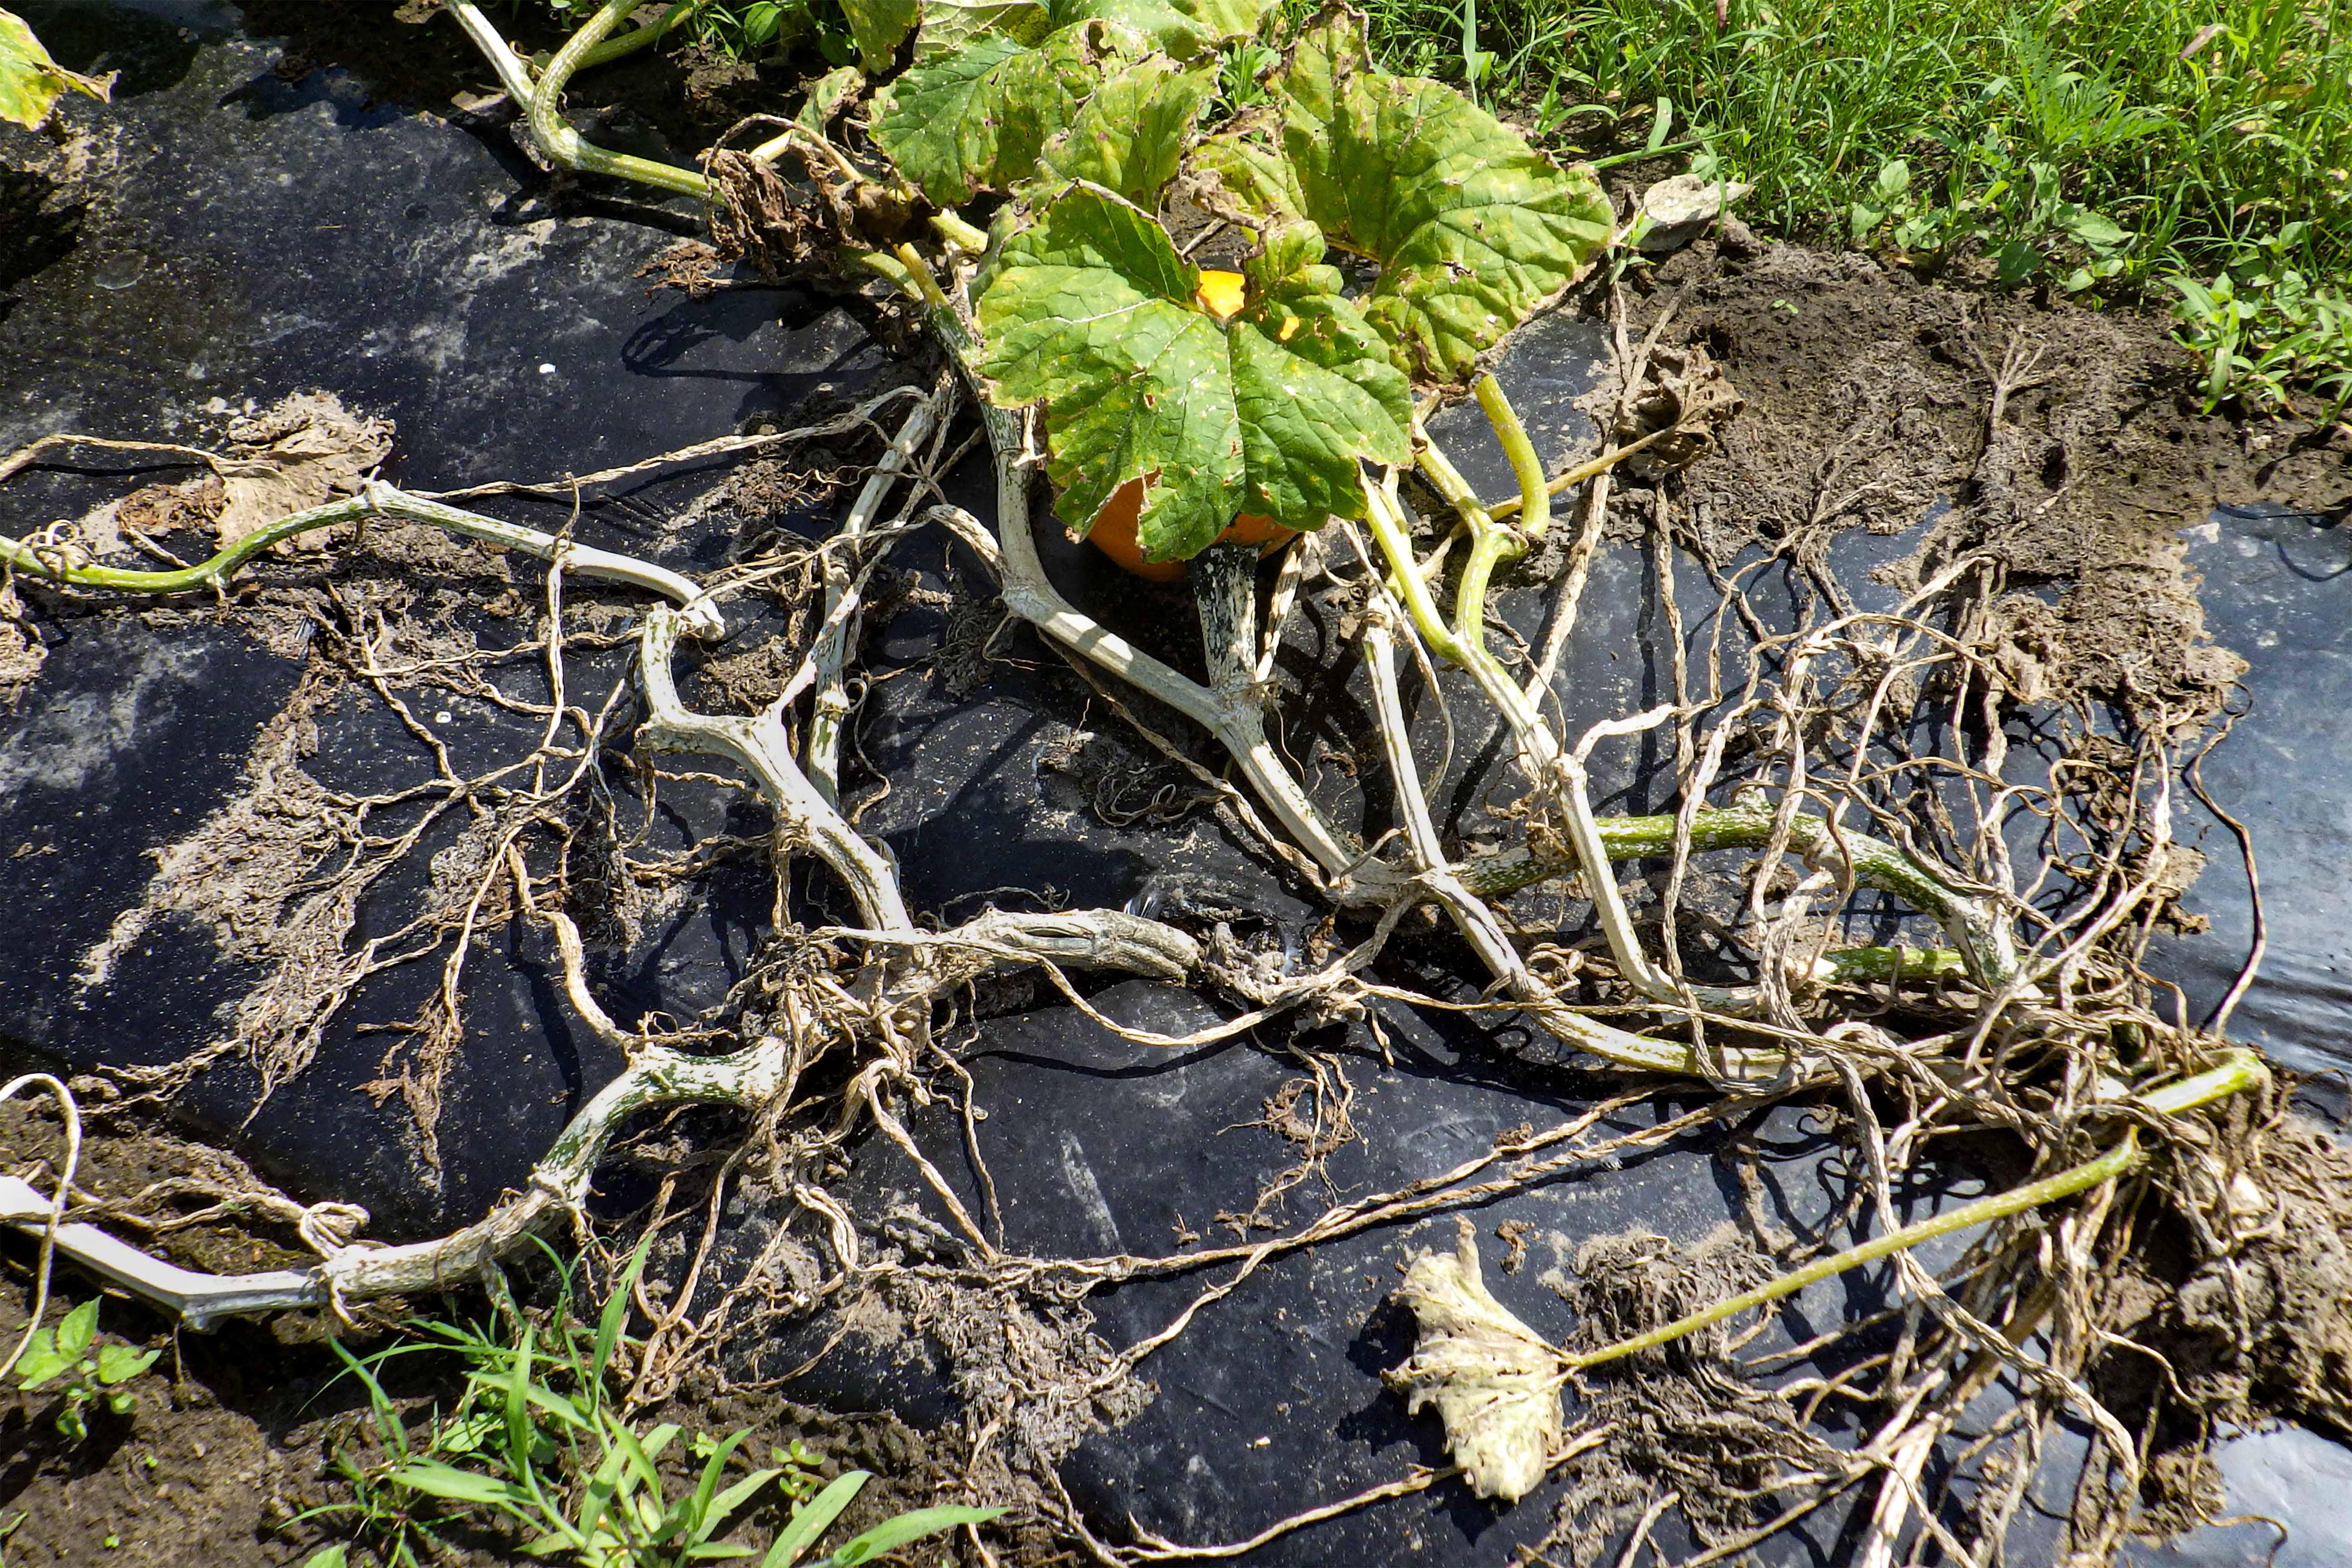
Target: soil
x=2067, y=444
x=235, y=1432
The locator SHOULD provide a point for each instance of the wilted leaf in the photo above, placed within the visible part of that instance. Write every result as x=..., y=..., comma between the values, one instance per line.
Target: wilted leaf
x=950, y=25
x=826, y=97
x=1182, y=27
x=1473, y=228
x=976, y=121
x=1494, y=1380
x=1269, y=413
x=30, y=82
x=294, y=456
x=878, y=27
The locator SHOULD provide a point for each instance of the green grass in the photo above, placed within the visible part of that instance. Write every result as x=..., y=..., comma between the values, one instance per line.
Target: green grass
x=540, y=1442
x=2070, y=146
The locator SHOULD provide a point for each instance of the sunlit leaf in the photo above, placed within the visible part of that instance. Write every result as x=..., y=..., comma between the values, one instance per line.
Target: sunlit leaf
x=976, y=121
x=1269, y=413
x=30, y=82
x=454, y=1485
x=953, y=25
x=813, y=1519
x=121, y=1363
x=893, y=1533
x=1473, y=228
x=40, y=1361
x=1130, y=136
x=1182, y=27
x=76, y=1329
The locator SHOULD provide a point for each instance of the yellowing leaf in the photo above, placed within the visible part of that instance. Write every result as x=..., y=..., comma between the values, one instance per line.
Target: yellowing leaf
x=31, y=82
x=878, y=27
x=976, y=119
x=1182, y=27
x=950, y=26
x=1494, y=1380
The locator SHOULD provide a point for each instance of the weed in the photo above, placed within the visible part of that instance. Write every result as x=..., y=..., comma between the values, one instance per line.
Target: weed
x=93, y=1376
x=538, y=1439
x=2106, y=149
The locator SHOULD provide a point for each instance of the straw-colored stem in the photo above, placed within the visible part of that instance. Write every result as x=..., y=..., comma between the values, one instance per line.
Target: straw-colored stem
x=375, y=499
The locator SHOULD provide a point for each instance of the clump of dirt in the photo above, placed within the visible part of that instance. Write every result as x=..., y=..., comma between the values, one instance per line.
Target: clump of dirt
x=1042, y=1375
x=247, y=872
x=2068, y=445
x=1679, y=1418
x=2258, y=1335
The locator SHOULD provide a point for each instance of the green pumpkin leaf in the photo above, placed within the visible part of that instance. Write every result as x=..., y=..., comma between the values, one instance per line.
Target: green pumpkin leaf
x=30, y=82
x=950, y=26
x=976, y=121
x=1092, y=313
x=1130, y=136
x=1473, y=230
x=1182, y=27
x=878, y=27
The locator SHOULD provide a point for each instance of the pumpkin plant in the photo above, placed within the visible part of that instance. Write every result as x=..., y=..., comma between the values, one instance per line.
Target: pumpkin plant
x=1038, y=182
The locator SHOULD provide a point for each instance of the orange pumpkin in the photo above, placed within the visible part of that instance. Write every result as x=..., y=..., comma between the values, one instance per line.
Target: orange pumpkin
x=1219, y=294
x=1114, y=534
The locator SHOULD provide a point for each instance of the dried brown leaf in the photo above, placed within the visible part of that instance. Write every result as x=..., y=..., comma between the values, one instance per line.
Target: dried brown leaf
x=1494, y=1380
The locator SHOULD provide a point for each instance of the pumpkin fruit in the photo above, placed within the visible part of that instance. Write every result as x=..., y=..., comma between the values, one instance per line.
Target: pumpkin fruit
x=1219, y=294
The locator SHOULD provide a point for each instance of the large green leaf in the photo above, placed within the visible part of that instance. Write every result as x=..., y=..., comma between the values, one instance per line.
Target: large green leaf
x=31, y=82
x=977, y=120
x=1473, y=228
x=1092, y=311
x=1182, y=27
x=878, y=27
x=952, y=24
x=1131, y=135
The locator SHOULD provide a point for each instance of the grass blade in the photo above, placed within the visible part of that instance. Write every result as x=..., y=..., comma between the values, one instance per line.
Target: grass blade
x=813, y=1517
x=893, y=1533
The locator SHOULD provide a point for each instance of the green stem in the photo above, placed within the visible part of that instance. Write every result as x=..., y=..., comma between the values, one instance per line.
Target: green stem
x=1535, y=495
x=1854, y=965
x=2240, y=1071
x=1584, y=471
x=1982, y=938
x=1388, y=530
x=630, y=42
x=375, y=499
x=567, y=146
x=971, y=240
